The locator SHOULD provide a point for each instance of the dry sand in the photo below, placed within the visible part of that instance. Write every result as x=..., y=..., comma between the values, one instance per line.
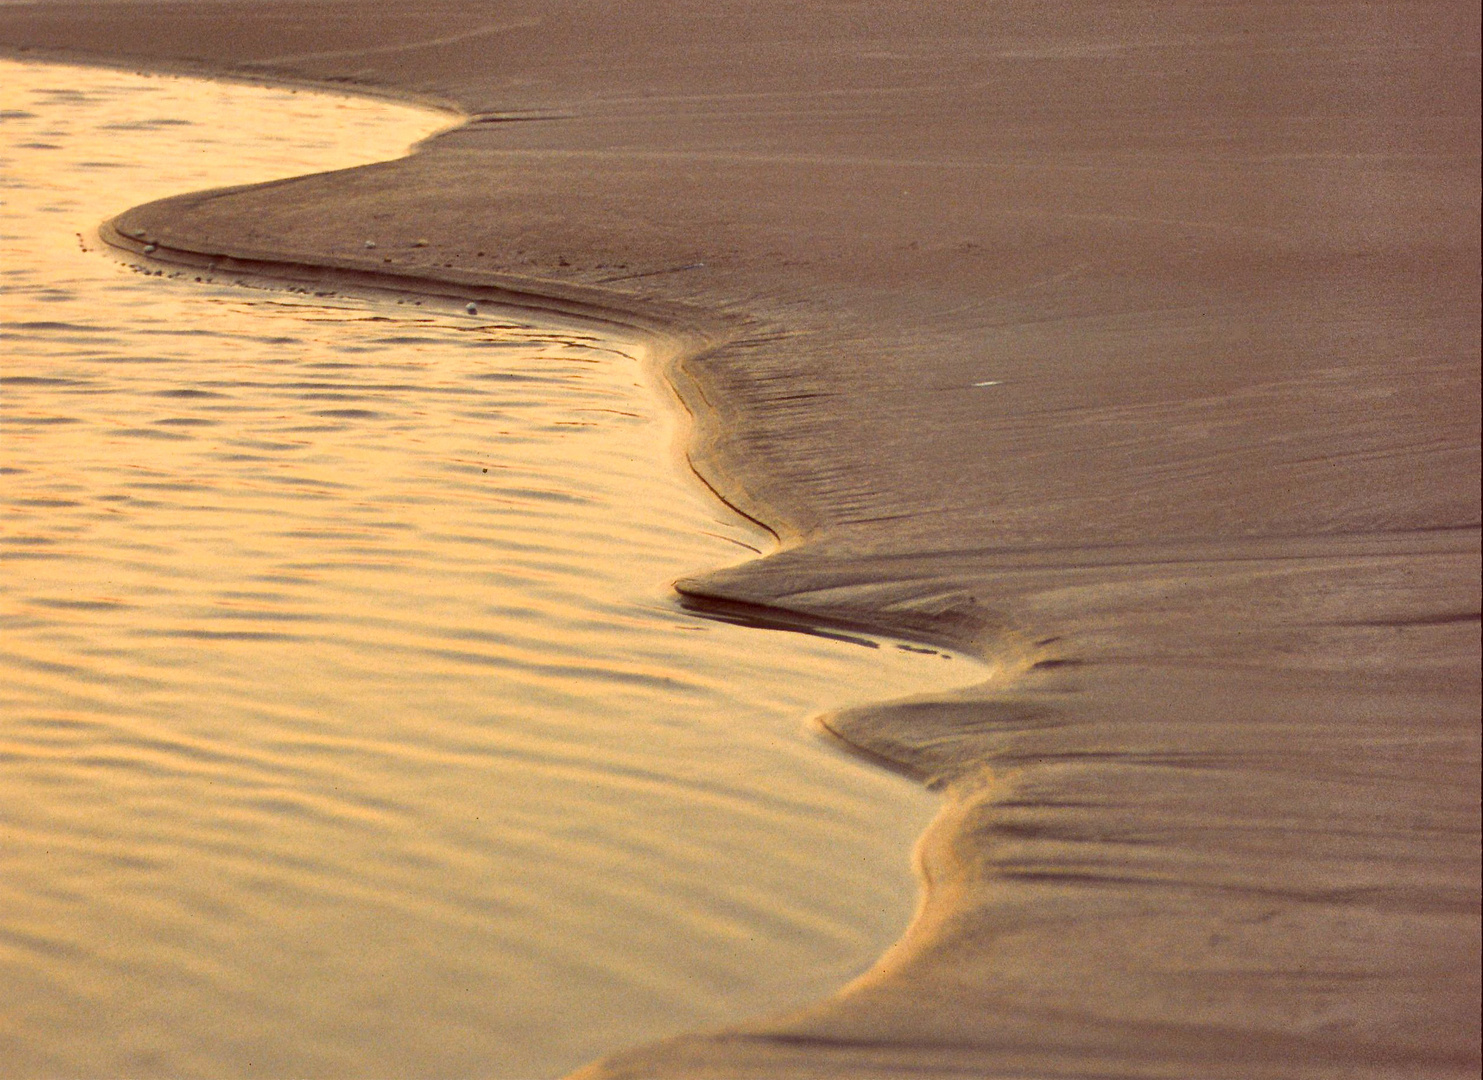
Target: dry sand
x=1132, y=346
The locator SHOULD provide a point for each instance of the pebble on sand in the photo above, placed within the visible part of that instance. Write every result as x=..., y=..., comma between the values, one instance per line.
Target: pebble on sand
x=472, y=308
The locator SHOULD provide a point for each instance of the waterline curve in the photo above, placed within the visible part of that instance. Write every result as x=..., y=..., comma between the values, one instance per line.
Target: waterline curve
x=189, y=529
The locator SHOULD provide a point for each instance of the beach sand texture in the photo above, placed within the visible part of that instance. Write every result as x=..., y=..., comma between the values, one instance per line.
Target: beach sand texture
x=1134, y=347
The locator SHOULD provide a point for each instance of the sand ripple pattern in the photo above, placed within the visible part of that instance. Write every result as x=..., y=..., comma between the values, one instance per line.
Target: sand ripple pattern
x=349, y=725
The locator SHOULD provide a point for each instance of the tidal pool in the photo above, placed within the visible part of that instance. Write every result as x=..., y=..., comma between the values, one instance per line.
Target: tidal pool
x=350, y=725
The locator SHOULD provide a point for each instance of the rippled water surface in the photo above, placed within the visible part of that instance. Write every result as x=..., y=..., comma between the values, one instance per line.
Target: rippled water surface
x=350, y=726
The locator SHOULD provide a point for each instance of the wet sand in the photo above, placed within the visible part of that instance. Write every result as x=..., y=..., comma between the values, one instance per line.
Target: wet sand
x=1134, y=348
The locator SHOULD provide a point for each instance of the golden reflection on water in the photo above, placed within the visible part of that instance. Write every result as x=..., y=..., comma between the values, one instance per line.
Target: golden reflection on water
x=349, y=725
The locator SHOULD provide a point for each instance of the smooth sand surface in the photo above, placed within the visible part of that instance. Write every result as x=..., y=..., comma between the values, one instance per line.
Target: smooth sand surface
x=1132, y=346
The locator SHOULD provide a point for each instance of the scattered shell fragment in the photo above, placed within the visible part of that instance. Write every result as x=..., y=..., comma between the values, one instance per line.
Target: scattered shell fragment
x=370, y=243
x=150, y=249
x=419, y=243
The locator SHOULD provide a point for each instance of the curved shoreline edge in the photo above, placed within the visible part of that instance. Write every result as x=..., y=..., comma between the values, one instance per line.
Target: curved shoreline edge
x=677, y=334
x=1218, y=271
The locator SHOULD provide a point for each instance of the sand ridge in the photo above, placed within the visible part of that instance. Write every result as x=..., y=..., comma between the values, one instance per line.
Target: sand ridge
x=1133, y=347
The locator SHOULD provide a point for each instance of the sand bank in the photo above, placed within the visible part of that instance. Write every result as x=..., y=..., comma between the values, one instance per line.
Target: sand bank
x=1134, y=347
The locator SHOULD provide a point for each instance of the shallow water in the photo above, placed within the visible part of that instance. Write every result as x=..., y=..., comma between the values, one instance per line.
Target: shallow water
x=350, y=723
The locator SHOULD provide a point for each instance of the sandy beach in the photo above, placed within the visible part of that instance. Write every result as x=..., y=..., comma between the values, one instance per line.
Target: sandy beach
x=1133, y=348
